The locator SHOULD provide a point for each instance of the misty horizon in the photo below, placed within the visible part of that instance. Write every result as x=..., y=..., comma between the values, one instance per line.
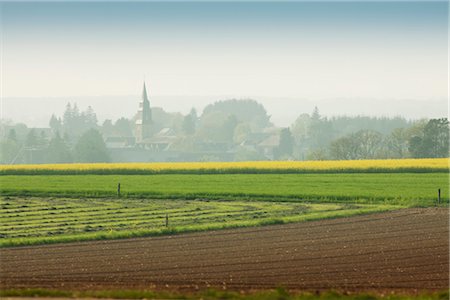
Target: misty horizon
x=283, y=110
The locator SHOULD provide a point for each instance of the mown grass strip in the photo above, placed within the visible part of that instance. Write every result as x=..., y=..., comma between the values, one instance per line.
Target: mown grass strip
x=192, y=227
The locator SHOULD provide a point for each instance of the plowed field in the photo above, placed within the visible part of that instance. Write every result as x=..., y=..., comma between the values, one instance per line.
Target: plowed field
x=401, y=250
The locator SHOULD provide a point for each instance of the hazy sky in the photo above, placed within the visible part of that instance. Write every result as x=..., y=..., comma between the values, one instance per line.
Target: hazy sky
x=287, y=49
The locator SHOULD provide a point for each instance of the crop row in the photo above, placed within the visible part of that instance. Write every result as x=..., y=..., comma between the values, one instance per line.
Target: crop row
x=266, y=167
x=32, y=223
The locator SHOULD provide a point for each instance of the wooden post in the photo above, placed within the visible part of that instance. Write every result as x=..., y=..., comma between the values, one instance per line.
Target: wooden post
x=118, y=189
x=167, y=220
x=439, y=196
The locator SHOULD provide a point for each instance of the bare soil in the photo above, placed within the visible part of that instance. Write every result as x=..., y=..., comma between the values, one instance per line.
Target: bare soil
x=405, y=250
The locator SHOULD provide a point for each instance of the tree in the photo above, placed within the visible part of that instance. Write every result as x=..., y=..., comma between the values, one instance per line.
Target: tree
x=344, y=148
x=12, y=135
x=107, y=128
x=75, y=123
x=369, y=143
x=91, y=148
x=31, y=139
x=320, y=131
x=416, y=147
x=397, y=142
x=122, y=127
x=90, y=118
x=189, y=122
x=58, y=151
x=217, y=126
x=248, y=111
x=228, y=127
x=55, y=123
x=286, y=145
x=436, y=137
x=241, y=132
x=9, y=148
x=434, y=140
x=364, y=144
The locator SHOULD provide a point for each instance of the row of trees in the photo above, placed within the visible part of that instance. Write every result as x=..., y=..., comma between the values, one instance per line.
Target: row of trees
x=318, y=137
x=90, y=147
x=73, y=138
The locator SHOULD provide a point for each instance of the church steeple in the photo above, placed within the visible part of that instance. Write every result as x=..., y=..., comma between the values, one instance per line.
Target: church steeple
x=145, y=104
x=144, y=118
x=144, y=93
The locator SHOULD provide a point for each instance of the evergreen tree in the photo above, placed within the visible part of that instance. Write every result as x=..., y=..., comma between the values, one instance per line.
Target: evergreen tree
x=286, y=145
x=58, y=151
x=55, y=123
x=90, y=118
x=107, y=128
x=189, y=122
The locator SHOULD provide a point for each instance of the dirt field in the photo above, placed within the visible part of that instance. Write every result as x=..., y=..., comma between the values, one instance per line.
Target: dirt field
x=401, y=250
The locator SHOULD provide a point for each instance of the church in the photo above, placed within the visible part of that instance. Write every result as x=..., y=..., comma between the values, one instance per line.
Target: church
x=148, y=134
x=143, y=123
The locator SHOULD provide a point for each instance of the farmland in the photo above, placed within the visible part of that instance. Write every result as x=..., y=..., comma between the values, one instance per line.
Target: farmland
x=48, y=220
x=51, y=208
x=372, y=226
x=404, y=250
x=393, y=188
x=425, y=165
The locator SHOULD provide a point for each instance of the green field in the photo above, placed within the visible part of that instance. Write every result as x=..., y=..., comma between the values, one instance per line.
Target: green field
x=393, y=188
x=60, y=208
x=47, y=220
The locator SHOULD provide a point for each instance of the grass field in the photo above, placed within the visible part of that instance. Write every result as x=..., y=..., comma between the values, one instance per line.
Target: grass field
x=47, y=220
x=393, y=188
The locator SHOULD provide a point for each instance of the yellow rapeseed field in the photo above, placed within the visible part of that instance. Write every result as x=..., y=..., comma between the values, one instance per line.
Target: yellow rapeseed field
x=388, y=165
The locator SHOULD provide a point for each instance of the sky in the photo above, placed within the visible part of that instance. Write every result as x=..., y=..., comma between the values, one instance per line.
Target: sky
x=290, y=50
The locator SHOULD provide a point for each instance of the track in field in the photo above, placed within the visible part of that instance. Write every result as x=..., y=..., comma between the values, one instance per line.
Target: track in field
x=401, y=250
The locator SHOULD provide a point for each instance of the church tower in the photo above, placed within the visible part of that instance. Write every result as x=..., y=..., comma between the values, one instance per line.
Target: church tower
x=144, y=118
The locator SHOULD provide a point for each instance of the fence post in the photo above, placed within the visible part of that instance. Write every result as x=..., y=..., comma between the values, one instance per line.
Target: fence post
x=167, y=220
x=118, y=189
x=439, y=196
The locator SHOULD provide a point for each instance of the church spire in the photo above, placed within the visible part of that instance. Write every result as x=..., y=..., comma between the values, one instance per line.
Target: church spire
x=144, y=118
x=144, y=93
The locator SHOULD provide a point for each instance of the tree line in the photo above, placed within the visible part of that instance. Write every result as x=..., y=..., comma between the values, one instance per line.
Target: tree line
x=232, y=125
x=317, y=137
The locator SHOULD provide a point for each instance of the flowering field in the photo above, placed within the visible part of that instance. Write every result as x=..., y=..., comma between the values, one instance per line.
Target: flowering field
x=343, y=166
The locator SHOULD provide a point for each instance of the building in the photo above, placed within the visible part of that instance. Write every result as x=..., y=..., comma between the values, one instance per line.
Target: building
x=143, y=129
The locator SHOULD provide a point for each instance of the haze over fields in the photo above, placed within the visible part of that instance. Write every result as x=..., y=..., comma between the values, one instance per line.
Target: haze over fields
x=378, y=58
x=283, y=111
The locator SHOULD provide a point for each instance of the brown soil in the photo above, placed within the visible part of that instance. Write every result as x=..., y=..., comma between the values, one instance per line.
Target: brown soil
x=404, y=250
